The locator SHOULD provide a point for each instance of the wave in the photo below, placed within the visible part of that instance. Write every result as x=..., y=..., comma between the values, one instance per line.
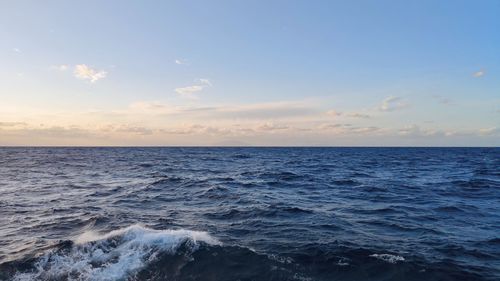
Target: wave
x=140, y=253
x=113, y=255
x=388, y=258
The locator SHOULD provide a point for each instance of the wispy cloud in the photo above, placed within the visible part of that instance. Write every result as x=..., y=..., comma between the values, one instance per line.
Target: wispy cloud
x=479, y=73
x=12, y=124
x=392, y=103
x=364, y=130
x=489, y=131
x=205, y=82
x=257, y=111
x=138, y=130
x=190, y=91
x=17, y=50
x=61, y=67
x=181, y=62
x=359, y=115
x=334, y=113
x=84, y=72
x=269, y=126
x=442, y=100
x=272, y=110
x=328, y=126
x=415, y=131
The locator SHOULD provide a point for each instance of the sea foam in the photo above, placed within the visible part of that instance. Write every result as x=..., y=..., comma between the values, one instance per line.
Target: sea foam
x=113, y=255
x=388, y=258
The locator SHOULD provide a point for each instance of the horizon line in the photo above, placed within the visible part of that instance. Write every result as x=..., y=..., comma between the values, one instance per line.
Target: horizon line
x=235, y=146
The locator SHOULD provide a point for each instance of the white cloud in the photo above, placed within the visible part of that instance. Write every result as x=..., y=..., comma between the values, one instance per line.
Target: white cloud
x=479, y=73
x=16, y=50
x=415, y=131
x=392, y=103
x=190, y=91
x=205, y=81
x=61, y=67
x=181, y=62
x=85, y=72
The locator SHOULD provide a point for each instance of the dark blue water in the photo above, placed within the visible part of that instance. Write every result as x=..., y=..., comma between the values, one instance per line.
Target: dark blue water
x=249, y=213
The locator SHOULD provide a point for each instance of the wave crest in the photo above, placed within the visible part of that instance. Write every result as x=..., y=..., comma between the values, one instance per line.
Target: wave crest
x=388, y=258
x=113, y=255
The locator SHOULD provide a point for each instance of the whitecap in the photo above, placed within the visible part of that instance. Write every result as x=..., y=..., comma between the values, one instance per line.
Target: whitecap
x=113, y=255
x=388, y=258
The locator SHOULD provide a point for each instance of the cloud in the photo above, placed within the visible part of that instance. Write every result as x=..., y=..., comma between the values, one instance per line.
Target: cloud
x=347, y=129
x=359, y=115
x=61, y=67
x=364, y=130
x=181, y=62
x=392, y=103
x=272, y=110
x=190, y=91
x=334, y=113
x=49, y=131
x=416, y=131
x=479, y=73
x=257, y=111
x=85, y=72
x=16, y=50
x=330, y=126
x=206, y=82
x=442, y=100
x=196, y=129
x=138, y=130
x=272, y=127
x=151, y=109
x=12, y=124
x=489, y=131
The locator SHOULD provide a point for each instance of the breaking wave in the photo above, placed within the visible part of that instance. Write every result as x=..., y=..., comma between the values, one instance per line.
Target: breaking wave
x=113, y=255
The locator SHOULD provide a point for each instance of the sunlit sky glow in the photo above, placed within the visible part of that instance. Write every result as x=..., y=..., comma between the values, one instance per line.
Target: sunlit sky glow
x=374, y=73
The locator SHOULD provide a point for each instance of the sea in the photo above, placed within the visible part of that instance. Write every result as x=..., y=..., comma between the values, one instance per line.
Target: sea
x=249, y=213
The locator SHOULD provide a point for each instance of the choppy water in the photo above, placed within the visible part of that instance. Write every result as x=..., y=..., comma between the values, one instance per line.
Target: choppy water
x=249, y=214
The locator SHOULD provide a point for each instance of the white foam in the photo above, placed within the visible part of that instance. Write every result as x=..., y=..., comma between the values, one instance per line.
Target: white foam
x=343, y=262
x=114, y=255
x=388, y=258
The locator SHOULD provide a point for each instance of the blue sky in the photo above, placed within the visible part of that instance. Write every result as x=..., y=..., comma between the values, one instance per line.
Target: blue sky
x=250, y=73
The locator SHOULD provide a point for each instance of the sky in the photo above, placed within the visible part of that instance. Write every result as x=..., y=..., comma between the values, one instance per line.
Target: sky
x=258, y=73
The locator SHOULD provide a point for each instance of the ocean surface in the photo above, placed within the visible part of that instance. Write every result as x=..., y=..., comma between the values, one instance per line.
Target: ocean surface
x=250, y=214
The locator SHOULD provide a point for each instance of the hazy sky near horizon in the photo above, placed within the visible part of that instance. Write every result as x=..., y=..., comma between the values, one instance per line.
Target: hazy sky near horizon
x=250, y=73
